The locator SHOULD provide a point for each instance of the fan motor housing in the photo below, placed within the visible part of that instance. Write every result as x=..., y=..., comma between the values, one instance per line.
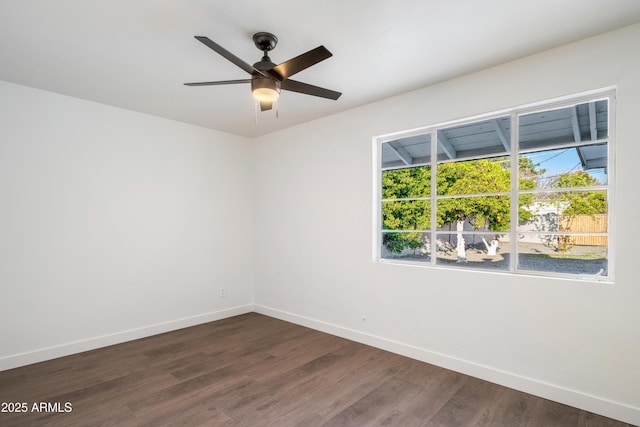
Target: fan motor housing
x=264, y=65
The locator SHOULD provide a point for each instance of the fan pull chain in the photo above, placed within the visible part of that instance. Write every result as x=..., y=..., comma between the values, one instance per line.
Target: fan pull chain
x=256, y=104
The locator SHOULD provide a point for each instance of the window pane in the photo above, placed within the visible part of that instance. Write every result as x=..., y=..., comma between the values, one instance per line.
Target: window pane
x=573, y=211
x=581, y=166
x=472, y=251
x=546, y=129
x=582, y=254
x=474, y=177
x=406, y=183
x=413, y=150
x=487, y=138
x=406, y=246
x=406, y=215
x=479, y=213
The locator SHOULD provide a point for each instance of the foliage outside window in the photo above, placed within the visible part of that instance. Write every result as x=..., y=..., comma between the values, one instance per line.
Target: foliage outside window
x=526, y=191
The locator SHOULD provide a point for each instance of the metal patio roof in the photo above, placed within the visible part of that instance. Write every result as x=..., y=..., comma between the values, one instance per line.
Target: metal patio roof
x=583, y=126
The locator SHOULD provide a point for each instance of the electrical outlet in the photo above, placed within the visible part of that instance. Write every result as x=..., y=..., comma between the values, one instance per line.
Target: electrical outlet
x=223, y=292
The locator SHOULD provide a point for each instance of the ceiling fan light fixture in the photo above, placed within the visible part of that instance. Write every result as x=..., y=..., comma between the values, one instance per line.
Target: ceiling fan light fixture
x=265, y=89
x=265, y=94
x=267, y=78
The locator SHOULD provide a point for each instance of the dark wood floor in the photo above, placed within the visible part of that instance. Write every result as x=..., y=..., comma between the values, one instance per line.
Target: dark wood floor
x=253, y=370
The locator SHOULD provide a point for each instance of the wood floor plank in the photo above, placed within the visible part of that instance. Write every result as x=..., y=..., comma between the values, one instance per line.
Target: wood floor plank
x=208, y=382
x=200, y=413
x=553, y=414
x=437, y=387
x=341, y=387
x=588, y=419
x=470, y=405
x=380, y=406
x=253, y=370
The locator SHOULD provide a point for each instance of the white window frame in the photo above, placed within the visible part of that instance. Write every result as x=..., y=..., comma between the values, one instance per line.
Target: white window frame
x=608, y=93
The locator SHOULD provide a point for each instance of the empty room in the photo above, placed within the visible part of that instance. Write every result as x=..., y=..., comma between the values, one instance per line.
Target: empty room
x=341, y=213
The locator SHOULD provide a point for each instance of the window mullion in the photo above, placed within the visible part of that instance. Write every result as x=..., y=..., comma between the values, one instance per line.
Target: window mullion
x=433, y=237
x=515, y=202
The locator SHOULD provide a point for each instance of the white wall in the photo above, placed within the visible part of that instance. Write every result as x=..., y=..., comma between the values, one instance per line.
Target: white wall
x=574, y=342
x=115, y=225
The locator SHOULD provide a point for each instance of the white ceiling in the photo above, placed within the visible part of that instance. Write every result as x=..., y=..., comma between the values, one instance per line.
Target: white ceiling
x=136, y=54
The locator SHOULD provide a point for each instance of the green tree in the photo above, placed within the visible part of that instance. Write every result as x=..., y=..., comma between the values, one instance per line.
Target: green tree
x=474, y=177
x=588, y=202
x=458, y=179
x=410, y=183
x=529, y=178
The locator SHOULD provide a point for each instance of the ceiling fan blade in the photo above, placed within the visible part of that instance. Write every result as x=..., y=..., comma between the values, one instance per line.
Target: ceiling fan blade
x=222, y=82
x=265, y=105
x=307, y=89
x=228, y=55
x=301, y=62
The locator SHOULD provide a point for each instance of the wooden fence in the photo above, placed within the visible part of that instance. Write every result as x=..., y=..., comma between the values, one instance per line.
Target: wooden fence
x=585, y=224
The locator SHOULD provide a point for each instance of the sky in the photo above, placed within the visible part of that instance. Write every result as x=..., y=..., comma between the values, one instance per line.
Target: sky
x=564, y=160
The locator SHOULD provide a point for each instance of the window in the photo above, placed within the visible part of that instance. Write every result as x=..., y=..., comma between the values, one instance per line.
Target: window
x=523, y=191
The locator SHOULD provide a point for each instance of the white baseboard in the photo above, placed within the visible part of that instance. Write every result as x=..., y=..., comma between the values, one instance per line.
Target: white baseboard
x=40, y=355
x=577, y=399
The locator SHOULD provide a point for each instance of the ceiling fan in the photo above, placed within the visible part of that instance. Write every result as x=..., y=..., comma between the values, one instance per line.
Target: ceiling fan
x=267, y=78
